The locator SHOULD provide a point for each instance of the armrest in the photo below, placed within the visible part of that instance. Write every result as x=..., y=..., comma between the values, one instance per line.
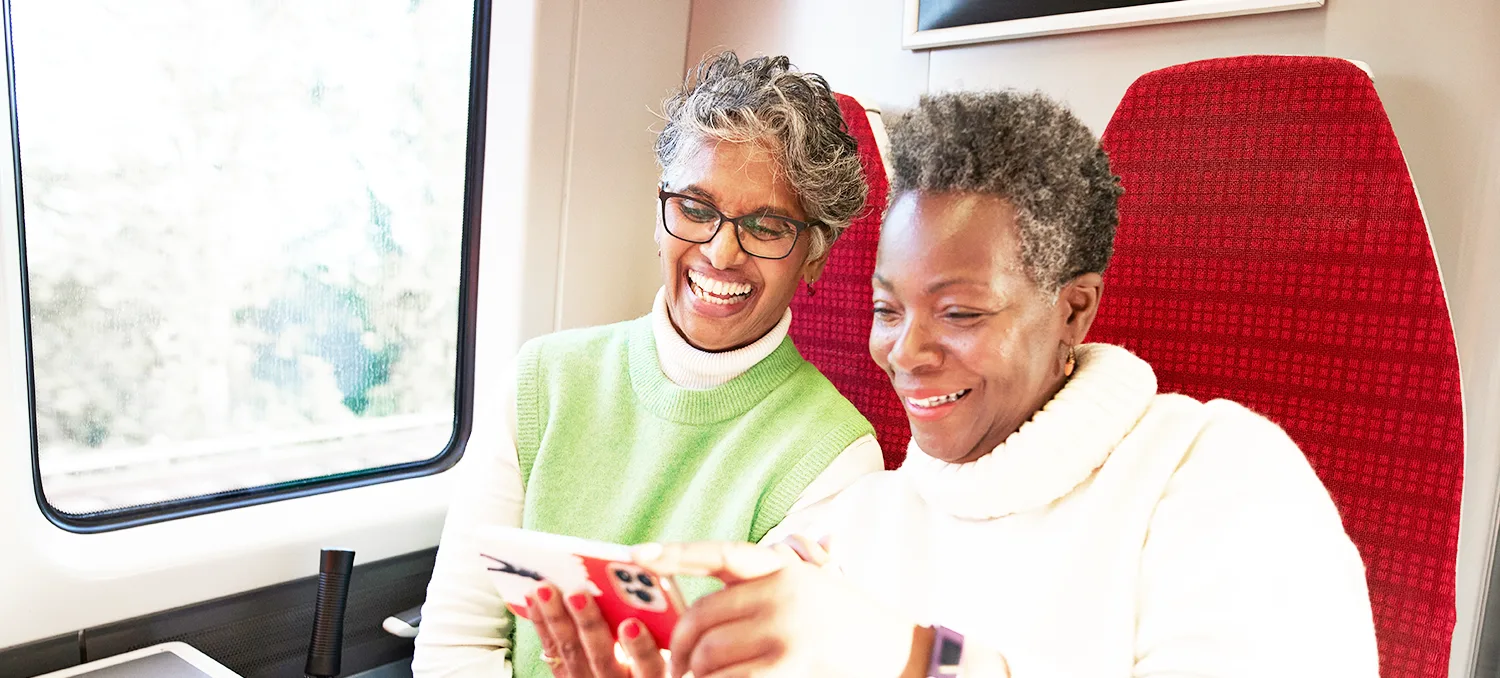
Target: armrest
x=404, y=624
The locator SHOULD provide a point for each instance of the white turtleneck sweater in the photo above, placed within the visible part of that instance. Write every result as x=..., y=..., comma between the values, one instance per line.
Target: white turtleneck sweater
x=1119, y=533
x=464, y=624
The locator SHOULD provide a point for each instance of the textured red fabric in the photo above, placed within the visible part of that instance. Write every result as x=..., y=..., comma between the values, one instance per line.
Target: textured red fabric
x=832, y=327
x=1272, y=251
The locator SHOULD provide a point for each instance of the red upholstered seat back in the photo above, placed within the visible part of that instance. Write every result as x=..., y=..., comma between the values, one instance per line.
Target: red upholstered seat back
x=1272, y=251
x=832, y=327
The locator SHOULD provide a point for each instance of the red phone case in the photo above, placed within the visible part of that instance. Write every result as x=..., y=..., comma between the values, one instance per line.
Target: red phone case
x=519, y=561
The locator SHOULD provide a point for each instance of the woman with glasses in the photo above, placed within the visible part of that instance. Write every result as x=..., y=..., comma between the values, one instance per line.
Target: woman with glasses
x=699, y=421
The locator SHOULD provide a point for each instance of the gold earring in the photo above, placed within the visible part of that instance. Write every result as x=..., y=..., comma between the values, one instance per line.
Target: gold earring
x=1071, y=364
x=810, y=290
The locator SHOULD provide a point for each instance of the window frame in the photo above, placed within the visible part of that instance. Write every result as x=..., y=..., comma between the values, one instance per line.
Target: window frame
x=135, y=516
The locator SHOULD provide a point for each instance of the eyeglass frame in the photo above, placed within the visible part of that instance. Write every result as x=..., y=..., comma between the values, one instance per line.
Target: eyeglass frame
x=662, y=195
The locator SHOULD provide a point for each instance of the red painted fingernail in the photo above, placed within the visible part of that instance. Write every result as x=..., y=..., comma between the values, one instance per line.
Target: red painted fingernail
x=578, y=601
x=632, y=629
x=545, y=594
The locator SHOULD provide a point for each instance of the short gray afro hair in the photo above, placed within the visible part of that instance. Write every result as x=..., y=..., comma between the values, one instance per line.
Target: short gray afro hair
x=766, y=100
x=1029, y=150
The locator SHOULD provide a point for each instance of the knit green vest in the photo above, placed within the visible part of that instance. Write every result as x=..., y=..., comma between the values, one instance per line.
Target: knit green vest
x=610, y=449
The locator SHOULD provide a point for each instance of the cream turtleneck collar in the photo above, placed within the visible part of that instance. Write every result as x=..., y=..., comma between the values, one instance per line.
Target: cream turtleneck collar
x=695, y=369
x=1054, y=452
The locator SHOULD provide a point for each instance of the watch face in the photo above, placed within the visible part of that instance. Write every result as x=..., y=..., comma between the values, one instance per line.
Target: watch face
x=950, y=651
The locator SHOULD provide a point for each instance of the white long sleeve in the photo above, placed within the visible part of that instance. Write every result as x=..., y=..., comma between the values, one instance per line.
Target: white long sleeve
x=465, y=628
x=465, y=625
x=464, y=622
x=1246, y=570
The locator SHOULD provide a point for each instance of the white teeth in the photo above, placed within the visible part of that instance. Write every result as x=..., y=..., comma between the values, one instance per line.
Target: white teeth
x=937, y=400
x=705, y=296
x=717, y=291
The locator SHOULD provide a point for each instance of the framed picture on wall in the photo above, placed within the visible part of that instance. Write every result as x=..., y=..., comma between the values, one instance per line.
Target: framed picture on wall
x=938, y=23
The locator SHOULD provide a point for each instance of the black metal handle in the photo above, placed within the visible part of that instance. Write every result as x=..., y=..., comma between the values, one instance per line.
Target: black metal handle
x=327, y=645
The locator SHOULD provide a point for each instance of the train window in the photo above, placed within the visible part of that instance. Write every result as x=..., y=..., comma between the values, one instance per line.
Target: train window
x=247, y=234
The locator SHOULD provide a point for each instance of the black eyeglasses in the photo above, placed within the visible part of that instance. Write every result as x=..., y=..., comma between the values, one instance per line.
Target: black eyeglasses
x=696, y=220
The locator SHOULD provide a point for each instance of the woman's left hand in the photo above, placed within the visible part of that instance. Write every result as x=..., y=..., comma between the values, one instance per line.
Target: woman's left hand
x=575, y=635
x=779, y=616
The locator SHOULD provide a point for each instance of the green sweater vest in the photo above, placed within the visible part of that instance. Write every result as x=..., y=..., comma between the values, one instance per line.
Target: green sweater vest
x=610, y=449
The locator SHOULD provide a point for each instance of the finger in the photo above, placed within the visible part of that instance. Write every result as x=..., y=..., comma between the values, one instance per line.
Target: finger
x=569, y=648
x=731, y=562
x=796, y=545
x=735, y=646
x=645, y=657
x=549, y=646
x=786, y=551
x=808, y=550
x=594, y=635
x=827, y=542
x=749, y=600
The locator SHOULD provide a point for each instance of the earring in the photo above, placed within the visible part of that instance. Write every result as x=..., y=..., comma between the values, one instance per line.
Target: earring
x=810, y=290
x=1071, y=364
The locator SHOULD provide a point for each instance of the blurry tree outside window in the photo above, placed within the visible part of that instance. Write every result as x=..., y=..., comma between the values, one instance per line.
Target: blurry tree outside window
x=242, y=227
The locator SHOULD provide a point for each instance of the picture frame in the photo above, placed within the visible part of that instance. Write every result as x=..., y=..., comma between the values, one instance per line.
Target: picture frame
x=943, y=23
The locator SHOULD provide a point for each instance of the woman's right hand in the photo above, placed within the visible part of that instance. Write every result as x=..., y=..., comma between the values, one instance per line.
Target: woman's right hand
x=779, y=615
x=575, y=635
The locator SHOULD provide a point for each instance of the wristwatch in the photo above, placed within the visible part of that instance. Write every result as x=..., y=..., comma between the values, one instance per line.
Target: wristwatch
x=947, y=652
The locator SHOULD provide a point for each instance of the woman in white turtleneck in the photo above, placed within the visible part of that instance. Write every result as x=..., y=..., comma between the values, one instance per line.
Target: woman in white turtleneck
x=1055, y=516
x=698, y=421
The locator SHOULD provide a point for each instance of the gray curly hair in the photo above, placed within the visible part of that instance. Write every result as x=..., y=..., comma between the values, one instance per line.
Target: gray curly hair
x=766, y=100
x=1029, y=150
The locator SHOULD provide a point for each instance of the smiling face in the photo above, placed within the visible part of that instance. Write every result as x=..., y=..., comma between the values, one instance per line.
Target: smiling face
x=719, y=297
x=971, y=344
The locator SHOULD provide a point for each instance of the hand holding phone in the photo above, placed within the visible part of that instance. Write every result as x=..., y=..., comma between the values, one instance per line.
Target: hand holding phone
x=519, y=561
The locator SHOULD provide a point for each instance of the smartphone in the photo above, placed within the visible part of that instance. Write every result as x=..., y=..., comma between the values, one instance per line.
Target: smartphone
x=518, y=561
